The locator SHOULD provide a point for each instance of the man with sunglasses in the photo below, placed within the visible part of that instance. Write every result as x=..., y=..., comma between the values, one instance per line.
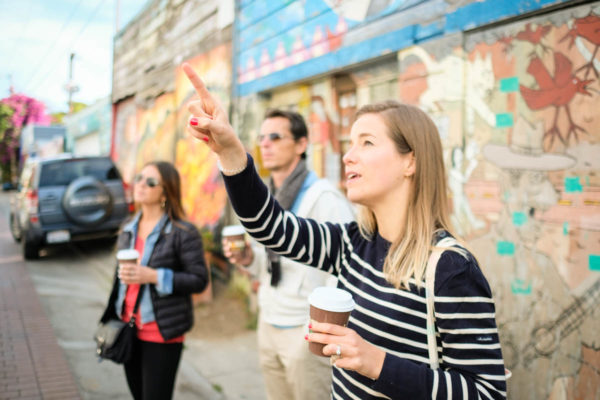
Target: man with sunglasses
x=290, y=371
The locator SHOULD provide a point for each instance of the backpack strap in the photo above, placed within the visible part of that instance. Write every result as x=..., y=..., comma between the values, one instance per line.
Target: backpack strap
x=432, y=263
x=429, y=295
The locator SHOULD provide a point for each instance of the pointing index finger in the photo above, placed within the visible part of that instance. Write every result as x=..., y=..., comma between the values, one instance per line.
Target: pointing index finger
x=196, y=81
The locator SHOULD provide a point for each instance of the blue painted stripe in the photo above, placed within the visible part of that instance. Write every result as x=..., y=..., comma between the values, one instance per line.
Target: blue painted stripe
x=428, y=31
x=381, y=45
x=471, y=16
x=478, y=13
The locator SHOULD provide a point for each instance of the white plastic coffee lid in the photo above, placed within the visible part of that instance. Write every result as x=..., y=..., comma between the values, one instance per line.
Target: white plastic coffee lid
x=233, y=230
x=128, y=254
x=331, y=299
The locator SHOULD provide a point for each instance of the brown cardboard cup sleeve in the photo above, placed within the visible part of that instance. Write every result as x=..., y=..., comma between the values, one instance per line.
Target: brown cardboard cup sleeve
x=330, y=305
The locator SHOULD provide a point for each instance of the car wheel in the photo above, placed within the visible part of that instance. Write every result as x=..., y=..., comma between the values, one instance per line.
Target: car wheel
x=15, y=230
x=31, y=250
x=87, y=201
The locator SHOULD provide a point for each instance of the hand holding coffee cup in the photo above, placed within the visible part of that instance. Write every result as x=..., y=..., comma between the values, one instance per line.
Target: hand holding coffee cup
x=235, y=247
x=330, y=305
x=128, y=259
x=330, y=309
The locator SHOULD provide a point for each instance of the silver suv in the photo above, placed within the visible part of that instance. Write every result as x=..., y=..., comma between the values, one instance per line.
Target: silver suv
x=63, y=199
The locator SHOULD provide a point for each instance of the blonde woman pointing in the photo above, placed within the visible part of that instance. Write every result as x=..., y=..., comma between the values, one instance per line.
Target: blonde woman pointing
x=395, y=172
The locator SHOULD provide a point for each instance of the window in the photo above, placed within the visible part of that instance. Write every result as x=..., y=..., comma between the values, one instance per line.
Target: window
x=63, y=172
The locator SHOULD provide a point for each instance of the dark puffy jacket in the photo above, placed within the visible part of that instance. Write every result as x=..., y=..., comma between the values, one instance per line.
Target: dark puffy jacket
x=180, y=250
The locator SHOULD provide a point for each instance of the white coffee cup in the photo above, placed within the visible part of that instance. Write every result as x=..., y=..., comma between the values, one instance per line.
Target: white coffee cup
x=128, y=256
x=331, y=305
x=235, y=236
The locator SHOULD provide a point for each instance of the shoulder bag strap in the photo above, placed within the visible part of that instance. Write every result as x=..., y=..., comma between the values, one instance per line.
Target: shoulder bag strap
x=429, y=294
x=137, y=304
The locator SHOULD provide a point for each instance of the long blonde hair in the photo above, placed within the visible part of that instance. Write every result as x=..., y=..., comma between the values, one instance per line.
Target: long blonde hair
x=412, y=130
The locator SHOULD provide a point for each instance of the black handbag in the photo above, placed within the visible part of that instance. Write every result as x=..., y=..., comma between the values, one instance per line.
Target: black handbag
x=114, y=338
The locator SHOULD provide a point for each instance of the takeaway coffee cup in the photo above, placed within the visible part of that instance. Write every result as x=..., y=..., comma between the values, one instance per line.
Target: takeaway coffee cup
x=331, y=305
x=234, y=234
x=128, y=256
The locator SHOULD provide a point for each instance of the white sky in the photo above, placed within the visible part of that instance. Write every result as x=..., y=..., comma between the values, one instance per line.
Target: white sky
x=38, y=36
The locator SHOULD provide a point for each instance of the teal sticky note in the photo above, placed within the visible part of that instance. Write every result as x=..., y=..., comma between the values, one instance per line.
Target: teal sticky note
x=594, y=262
x=565, y=228
x=519, y=286
x=572, y=184
x=519, y=218
x=505, y=248
x=504, y=120
x=509, y=84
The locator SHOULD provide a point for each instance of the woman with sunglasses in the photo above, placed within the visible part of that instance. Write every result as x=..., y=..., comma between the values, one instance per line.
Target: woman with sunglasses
x=170, y=268
x=394, y=170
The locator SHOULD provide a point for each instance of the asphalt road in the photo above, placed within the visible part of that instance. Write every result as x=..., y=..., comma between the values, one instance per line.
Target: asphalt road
x=73, y=282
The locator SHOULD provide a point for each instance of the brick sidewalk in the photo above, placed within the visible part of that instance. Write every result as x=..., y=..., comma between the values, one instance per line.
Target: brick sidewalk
x=32, y=365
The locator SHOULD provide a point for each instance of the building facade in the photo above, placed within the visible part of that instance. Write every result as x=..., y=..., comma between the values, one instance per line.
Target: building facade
x=513, y=87
x=150, y=93
x=88, y=131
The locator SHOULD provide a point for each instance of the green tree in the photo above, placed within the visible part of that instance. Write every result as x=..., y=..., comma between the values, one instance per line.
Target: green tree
x=57, y=118
x=5, y=137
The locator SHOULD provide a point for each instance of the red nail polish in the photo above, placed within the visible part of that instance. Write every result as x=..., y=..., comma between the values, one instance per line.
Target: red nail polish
x=305, y=337
x=194, y=121
x=309, y=326
x=205, y=139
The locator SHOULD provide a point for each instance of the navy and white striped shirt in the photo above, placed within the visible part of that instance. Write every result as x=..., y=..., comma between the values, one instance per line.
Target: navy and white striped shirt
x=471, y=364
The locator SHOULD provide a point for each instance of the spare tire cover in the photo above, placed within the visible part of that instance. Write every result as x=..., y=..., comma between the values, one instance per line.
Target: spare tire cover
x=87, y=201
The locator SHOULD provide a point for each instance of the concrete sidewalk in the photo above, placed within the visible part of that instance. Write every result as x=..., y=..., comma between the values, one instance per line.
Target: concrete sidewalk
x=49, y=309
x=32, y=364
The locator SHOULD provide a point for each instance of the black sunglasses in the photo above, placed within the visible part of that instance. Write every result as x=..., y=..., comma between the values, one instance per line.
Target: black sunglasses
x=273, y=137
x=150, y=181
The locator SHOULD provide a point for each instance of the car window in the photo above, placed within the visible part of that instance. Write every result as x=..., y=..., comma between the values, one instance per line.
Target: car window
x=63, y=172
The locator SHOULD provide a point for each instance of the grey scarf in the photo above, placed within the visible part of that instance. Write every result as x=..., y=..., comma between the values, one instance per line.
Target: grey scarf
x=285, y=196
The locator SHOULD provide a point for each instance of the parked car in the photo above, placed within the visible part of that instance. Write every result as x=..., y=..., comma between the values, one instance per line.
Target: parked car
x=62, y=199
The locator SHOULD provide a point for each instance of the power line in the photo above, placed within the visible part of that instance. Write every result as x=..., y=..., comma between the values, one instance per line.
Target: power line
x=36, y=70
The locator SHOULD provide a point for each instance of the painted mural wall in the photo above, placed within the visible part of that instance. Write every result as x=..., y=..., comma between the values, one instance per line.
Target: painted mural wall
x=528, y=163
x=283, y=41
x=517, y=107
x=150, y=95
x=158, y=133
x=517, y=110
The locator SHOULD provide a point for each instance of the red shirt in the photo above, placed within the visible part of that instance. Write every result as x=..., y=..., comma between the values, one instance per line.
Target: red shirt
x=147, y=332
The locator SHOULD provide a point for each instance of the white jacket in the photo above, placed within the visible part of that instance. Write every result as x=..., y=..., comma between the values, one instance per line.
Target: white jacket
x=287, y=303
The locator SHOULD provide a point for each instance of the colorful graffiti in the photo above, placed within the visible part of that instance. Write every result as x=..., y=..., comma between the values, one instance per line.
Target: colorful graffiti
x=522, y=141
x=276, y=35
x=516, y=107
x=204, y=195
x=158, y=133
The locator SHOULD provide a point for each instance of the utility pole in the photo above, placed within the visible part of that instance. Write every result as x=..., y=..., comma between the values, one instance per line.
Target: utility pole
x=71, y=87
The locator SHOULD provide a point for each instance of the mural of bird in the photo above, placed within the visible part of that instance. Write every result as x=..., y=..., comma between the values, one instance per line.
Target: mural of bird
x=589, y=29
x=534, y=37
x=555, y=91
x=506, y=41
